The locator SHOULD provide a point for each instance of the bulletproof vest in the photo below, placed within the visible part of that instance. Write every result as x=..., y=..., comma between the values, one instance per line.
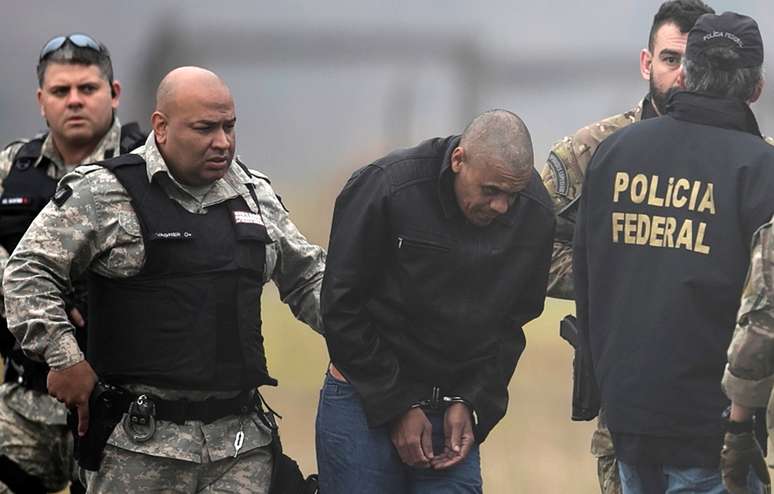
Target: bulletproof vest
x=190, y=319
x=28, y=188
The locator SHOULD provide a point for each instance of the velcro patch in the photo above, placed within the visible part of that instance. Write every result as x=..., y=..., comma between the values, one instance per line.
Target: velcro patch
x=247, y=217
x=559, y=171
x=62, y=194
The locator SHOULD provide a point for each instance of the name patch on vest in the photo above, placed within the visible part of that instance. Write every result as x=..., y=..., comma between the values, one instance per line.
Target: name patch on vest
x=172, y=235
x=15, y=201
x=247, y=217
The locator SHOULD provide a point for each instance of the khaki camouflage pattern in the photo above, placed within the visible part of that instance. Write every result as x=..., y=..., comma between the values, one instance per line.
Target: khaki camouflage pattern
x=124, y=471
x=749, y=374
x=607, y=472
x=32, y=424
x=97, y=230
x=563, y=178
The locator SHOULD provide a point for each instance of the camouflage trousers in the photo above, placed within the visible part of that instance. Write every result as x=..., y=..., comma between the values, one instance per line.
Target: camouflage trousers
x=127, y=471
x=41, y=449
x=607, y=465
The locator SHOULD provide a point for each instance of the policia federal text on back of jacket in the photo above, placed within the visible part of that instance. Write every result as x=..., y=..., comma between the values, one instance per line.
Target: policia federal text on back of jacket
x=661, y=252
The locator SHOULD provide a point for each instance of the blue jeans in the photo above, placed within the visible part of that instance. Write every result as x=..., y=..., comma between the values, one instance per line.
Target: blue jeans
x=355, y=459
x=678, y=480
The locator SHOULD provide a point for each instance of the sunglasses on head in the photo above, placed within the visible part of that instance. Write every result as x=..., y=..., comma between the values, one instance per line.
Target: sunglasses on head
x=79, y=40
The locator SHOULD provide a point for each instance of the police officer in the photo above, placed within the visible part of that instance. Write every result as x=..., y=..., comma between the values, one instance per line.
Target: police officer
x=749, y=374
x=177, y=240
x=78, y=98
x=569, y=158
x=438, y=255
x=661, y=250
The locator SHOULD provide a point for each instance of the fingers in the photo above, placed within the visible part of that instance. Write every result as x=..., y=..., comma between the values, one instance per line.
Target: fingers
x=426, y=440
x=83, y=418
x=458, y=437
x=411, y=436
x=77, y=318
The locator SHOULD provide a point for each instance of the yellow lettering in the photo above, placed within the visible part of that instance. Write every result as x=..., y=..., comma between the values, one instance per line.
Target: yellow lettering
x=618, y=219
x=630, y=228
x=700, y=247
x=639, y=188
x=620, y=184
x=669, y=232
x=694, y=195
x=685, y=237
x=643, y=229
x=679, y=200
x=668, y=197
x=657, y=231
x=653, y=199
x=708, y=201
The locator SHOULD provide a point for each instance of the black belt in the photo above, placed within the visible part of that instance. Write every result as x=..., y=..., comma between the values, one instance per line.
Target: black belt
x=179, y=411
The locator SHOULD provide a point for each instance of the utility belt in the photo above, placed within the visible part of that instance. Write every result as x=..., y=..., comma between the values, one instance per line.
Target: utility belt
x=110, y=405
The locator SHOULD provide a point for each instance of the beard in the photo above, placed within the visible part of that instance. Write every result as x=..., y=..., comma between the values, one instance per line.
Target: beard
x=658, y=98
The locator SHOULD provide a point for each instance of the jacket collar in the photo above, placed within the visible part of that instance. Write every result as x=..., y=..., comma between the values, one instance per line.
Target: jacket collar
x=446, y=181
x=706, y=109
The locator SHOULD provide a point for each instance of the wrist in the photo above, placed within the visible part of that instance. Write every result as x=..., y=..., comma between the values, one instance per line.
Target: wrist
x=738, y=420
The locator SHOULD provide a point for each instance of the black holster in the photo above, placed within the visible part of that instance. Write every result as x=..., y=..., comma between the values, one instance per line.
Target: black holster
x=585, y=393
x=105, y=413
x=286, y=476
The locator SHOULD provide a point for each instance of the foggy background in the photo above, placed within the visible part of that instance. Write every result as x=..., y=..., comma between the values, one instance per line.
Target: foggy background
x=322, y=88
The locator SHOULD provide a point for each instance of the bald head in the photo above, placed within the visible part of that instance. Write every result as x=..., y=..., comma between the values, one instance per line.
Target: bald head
x=194, y=125
x=499, y=136
x=182, y=81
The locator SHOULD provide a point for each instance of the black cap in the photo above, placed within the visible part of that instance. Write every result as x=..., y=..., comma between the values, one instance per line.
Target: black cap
x=732, y=30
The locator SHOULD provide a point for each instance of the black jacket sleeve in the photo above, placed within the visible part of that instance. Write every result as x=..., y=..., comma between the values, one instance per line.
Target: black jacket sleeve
x=358, y=243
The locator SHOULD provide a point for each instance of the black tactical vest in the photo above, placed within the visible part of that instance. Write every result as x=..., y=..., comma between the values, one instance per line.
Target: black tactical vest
x=28, y=188
x=191, y=318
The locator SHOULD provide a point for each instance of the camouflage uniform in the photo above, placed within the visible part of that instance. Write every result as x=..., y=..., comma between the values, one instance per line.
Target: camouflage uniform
x=97, y=229
x=33, y=430
x=749, y=374
x=563, y=178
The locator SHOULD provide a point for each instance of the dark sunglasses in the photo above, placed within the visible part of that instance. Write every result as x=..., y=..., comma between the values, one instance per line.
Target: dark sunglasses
x=79, y=40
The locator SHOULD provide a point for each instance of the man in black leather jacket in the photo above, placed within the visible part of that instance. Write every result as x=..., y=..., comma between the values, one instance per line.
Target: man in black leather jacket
x=438, y=256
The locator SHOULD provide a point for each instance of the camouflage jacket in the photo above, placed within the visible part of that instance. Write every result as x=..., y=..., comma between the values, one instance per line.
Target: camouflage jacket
x=563, y=178
x=33, y=405
x=749, y=374
x=96, y=229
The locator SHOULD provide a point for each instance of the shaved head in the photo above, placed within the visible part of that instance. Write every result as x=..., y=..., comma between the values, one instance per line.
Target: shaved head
x=194, y=125
x=499, y=135
x=492, y=165
x=175, y=82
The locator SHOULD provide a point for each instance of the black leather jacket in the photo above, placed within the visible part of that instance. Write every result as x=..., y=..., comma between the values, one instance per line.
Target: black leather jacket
x=415, y=297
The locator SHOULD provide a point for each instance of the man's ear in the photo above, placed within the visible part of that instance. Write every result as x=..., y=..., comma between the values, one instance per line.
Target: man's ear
x=457, y=157
x=757, y=91
x=159, y=124
x=646, y=63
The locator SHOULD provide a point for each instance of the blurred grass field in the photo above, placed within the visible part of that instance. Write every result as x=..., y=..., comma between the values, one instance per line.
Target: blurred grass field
x=535, y=449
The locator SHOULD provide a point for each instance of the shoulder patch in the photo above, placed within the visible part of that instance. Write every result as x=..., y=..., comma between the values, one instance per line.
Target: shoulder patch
x=559, y=171
x=62, y=194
